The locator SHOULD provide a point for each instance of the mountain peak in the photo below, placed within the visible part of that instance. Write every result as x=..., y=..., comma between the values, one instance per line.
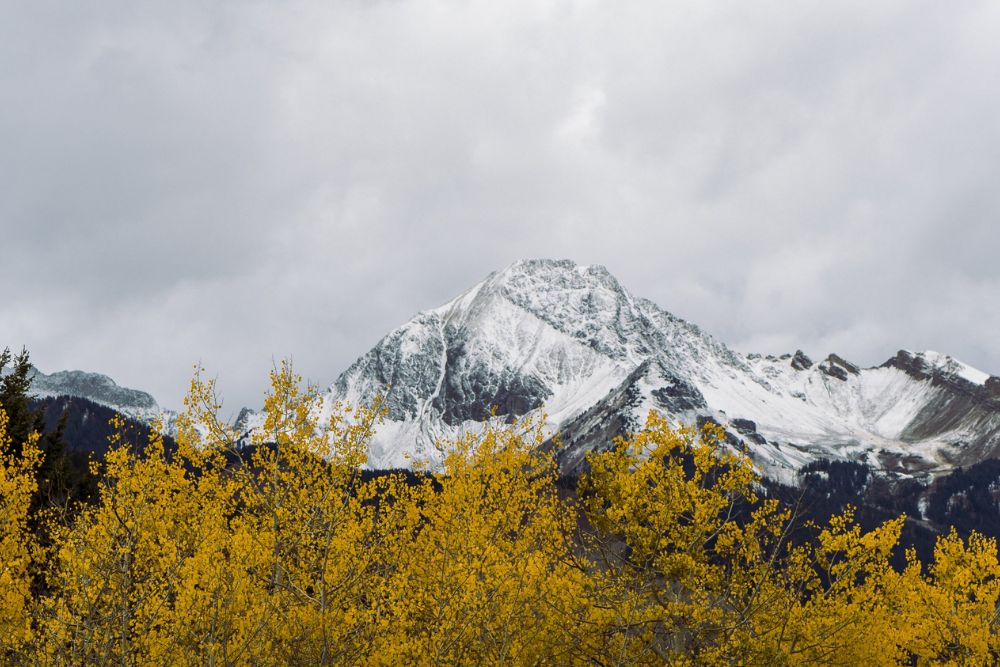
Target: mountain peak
x=584, y=302
x=535, y=280
x=568, y=341
x=537, y=333
x=552, y=266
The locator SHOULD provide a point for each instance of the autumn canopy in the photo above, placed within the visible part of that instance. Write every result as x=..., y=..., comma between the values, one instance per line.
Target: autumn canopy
x=212, y=551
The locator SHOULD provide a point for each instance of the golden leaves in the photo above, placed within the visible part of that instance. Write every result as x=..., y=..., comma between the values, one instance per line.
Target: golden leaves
x=280, y=551
x=18, y=547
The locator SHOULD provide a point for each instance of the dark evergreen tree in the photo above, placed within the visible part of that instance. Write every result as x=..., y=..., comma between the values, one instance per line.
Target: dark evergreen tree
x=15, y=387
x=63, y=478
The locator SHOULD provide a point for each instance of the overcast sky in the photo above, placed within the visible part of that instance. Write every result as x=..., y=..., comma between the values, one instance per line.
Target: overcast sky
x=236, y=182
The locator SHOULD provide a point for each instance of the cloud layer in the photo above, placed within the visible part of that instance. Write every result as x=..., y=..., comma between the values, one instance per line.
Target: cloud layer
x=235, y=182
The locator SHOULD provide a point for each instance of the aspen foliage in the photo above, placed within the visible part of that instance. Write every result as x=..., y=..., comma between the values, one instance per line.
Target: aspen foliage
x=490, y=577
x=18, y=547
x=217, y=549
x=693, y=567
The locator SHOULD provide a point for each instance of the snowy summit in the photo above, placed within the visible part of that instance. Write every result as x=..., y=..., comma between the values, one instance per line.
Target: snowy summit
x=569, y=341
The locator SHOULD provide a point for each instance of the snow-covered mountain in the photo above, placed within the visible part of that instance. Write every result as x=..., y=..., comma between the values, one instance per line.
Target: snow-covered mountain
x=101, y=390
x=570, y=341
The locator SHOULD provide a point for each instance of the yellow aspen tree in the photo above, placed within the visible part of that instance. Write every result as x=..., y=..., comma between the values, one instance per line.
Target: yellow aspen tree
x=956, y=605
x=308, y=515
x=117, y=567
x=18, y=547
x=846, y=603
x=489, y=577
x=682, y=561
x=694, y=567
x=308, y=536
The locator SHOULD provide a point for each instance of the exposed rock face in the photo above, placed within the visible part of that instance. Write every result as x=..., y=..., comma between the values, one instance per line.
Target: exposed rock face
x=748, y=430
x=839, y=368
x=800, y=361
x=569, y=341
x=677, y=396
x=992, y=385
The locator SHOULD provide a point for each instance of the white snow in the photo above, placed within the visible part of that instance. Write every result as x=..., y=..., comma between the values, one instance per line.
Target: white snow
x=578, y=333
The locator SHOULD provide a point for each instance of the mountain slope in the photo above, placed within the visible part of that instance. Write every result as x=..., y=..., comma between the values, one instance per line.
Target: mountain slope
x=570, y=341
x=100, y=389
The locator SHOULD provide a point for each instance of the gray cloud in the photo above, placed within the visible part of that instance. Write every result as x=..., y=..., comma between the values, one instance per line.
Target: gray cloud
x=235, y=182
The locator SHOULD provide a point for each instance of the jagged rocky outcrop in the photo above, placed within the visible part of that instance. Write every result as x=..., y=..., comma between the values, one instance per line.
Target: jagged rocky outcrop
x=568, y=341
